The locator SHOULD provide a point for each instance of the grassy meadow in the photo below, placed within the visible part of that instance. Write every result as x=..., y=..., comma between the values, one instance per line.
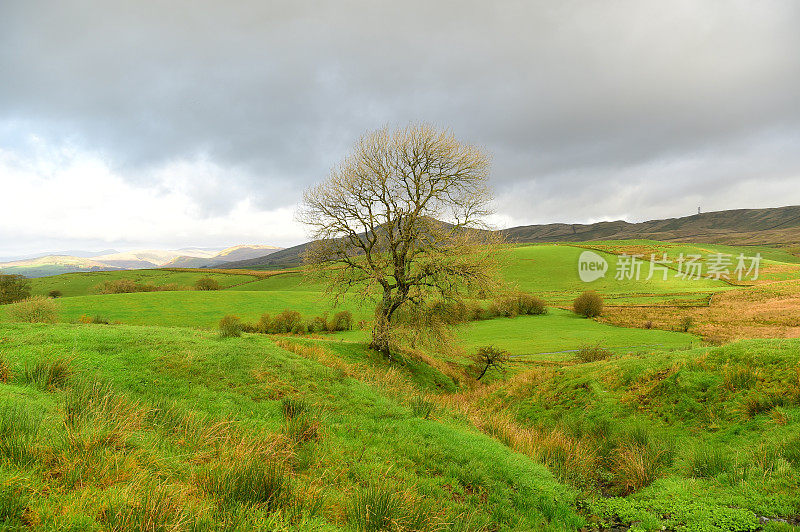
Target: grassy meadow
x=156, y=422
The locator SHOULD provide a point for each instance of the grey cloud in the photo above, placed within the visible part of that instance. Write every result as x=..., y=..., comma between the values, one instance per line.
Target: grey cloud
x=564, y=94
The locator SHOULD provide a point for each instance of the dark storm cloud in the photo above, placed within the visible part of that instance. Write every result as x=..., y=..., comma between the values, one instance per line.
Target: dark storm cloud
x=591, y=109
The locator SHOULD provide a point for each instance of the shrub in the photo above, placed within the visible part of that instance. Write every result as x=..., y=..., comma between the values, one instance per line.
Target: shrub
x=589, y=304
x=264, y=324
x=230, y=327
x=253, y=482
x=342, y=321
x=123, y=286
x=299, y=328
x=34, y=310
x=592, y=353
x=286, y=321
x=49, y=374
x=506, y=307
x=686, y=323
x=530, y=305
x=318, y=324
x=54, y=294
x=374, y=508
x=648, y=324
x=14, y=288
x=206, y=283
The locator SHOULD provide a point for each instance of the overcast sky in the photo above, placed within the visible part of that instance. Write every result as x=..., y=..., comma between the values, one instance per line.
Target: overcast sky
x=199, y=123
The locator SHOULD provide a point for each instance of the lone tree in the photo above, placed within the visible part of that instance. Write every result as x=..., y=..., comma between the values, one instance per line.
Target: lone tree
x=14, y=288
x=401, y=220
x=489, y=357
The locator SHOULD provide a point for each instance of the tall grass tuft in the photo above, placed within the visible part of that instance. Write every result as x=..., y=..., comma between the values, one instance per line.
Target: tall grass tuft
x=151, y=508
x=5, y=370
x=49, y=374
x=12, y=508
x=708, y=461
x=302, y=428
x=374, y=508
x=791, y=451
x=421, y=407
x=19, y=431
x=293, y=408
x=254, y=482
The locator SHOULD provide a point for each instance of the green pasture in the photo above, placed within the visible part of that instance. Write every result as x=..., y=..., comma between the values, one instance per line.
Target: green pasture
x=83, y=283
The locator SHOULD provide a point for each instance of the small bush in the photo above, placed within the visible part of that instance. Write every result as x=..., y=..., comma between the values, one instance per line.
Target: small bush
x=206, y=283
x=342, y=321
x=421, y=407
x=648, y=324
x=293, y=407
x=286, y=321
x=530, y=305
x=264, y=324
x=49, y=374
x=230, y=327
x=54, y=294
x=592, y=353
x=34, y=310
x=374, y=508
x=299, y=328
x=123, y=286
x=589, y=304
x=318, y=324
x=686, y=323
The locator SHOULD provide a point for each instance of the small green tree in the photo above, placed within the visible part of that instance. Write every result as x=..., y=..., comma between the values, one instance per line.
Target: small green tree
x=14, y=288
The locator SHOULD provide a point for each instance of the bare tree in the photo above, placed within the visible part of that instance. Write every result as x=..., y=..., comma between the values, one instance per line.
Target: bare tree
x=401, y=220
x=489, y=357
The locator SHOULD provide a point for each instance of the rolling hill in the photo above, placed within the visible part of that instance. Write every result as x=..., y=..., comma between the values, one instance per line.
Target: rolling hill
x=140, y=259
x=775, y=226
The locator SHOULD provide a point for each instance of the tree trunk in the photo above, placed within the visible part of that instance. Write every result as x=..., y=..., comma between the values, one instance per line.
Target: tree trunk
x=381, y=328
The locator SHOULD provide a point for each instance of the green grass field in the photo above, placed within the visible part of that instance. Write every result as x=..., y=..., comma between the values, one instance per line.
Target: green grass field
x=80, y=284
x=157, y=423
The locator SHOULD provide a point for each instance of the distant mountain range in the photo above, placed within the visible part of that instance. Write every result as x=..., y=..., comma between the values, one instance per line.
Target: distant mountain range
x=150, y=258
x=774, y=226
